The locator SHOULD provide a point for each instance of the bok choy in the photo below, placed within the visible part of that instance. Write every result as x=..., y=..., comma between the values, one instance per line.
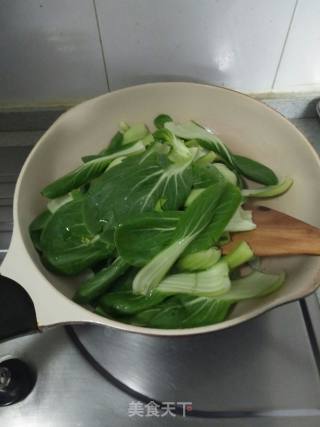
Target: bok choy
x=148, y=216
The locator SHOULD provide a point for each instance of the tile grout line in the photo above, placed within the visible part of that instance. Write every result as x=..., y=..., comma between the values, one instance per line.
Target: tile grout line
x=101, y=45
x=284, y=44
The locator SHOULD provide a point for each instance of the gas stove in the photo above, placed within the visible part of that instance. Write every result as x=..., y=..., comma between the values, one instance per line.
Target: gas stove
x=265, y=372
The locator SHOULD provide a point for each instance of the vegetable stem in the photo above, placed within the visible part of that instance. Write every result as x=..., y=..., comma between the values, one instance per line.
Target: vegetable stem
x=241, y=254
x=270, y=191
x=210, y=283
x=201, y=260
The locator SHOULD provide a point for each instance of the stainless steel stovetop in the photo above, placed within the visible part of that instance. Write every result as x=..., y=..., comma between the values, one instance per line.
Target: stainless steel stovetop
x=263, y=373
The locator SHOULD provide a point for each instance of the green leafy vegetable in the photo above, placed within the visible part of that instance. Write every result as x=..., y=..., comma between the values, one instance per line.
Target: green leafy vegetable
x=193, y=195
x=206, y=159
x=115, y=162
x=180, y=152
x=208, y=140
x=211, y=282
x=123, y=126
x=124, y=282
x=205, y=176
x=161, y=120
x=241, y=221
x=57, y=203
x=247, y=167
x=143, y=237
x=189, y=312
x=37, y=226
x=135, y=133
x=114, y=146
x=126, y=302
x=228, y=204
x=139, y=239
x=197, y=216
x=183, y=311
x=241, y=254
x=226, y=172
x=99, y=283
x=148, y=140
x=86, y=173
x=160, y=205
x=255, y=171
x=151, y=176
x=271, y=191
x=254, y=285
x=67, y=244
x=146, y=217
x=201, y=260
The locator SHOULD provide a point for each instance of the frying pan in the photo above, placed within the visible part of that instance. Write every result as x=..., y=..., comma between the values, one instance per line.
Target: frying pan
x=32, y=298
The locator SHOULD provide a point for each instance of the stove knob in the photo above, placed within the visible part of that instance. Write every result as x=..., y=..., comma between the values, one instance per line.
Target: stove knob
x=17, y=380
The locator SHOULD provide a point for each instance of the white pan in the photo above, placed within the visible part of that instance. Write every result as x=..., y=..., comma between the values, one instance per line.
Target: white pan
x=245, y=125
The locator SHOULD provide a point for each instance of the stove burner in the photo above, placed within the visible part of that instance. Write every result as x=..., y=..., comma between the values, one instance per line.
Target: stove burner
x=226, y=374
x=17, y=380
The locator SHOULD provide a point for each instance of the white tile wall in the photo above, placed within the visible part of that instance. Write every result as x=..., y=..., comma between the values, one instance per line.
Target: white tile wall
x=300, y=65
x=236, y=43
x=49, y=51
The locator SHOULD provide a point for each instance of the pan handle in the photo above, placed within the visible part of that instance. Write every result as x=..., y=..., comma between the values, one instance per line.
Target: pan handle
x=43, y=304
x=17, y=312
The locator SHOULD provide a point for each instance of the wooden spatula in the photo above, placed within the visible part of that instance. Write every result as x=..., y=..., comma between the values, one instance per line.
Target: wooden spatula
x=278, y=234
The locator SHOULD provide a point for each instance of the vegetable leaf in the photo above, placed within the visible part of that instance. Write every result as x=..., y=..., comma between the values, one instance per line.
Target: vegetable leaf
x=254, y=170
x=126, y=302
x=140, y=238
x=228, y=204
x=161, y=120
x=37, y=226
x=86, y=172
x=114, y=146
x=226, y=172
x=186, y=311
x=241, y=221
x=190, y=130
x=196, y=217
x=183, y=311
x=256, y=284
x=100, y=282
x=57, y=203
x=135, y=133
x=205, y=176
x=135, y=186
x=67, y=244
